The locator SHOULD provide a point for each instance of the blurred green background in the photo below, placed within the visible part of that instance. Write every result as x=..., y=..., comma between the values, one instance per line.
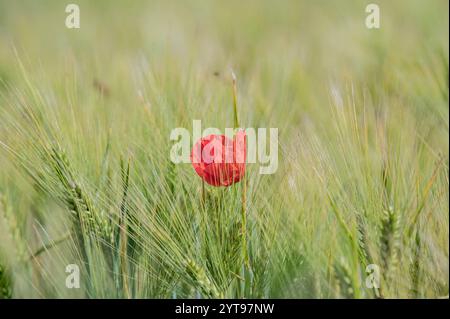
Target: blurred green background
x=362, y=115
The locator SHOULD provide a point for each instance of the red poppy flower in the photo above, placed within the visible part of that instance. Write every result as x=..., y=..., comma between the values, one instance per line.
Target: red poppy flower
x=218, y=160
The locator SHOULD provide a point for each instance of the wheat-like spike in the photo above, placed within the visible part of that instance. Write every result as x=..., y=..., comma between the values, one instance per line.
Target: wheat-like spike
x=201, y=280
x=14, y=230
x=343, y=278
x=88, y=223
x=363, y=248
x=390, y=240
x=77, y=200
x=414, y=268
x=364, y=253
x=233, y=245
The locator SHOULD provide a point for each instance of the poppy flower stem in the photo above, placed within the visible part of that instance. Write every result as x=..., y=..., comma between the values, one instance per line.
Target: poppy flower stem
x=244, y=223
x=203, y=194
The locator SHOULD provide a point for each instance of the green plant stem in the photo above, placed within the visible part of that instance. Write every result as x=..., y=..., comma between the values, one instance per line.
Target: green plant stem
x=123, y=229
x=203, y=194
x=236, y=120
x=49, y=246
x=244, y=223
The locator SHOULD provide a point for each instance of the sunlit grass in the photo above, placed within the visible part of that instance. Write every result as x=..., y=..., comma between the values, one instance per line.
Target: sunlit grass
x=86, y=177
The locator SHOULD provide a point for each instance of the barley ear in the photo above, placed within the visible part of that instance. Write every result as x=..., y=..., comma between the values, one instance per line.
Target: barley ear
x=343, y=277
x=197, y=274
x=15, y=232
x=389, y=241
x=363, y=247
x=414, y=268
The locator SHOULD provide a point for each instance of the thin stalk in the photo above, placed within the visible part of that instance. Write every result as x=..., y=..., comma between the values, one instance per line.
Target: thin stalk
x=49, y=246
x=203, y=194
x=236, y=120
x=244, y=222
x=244, y=181
x=123, y=228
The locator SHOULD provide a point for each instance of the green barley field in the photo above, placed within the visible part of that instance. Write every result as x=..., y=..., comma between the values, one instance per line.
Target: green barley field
x=359, y=204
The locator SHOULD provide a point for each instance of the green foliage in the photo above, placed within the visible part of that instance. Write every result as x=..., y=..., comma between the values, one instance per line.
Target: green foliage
x=86, y=176
x=5, y=284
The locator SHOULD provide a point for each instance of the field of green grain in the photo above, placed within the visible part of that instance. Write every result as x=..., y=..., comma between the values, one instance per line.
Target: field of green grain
x=86, y=178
